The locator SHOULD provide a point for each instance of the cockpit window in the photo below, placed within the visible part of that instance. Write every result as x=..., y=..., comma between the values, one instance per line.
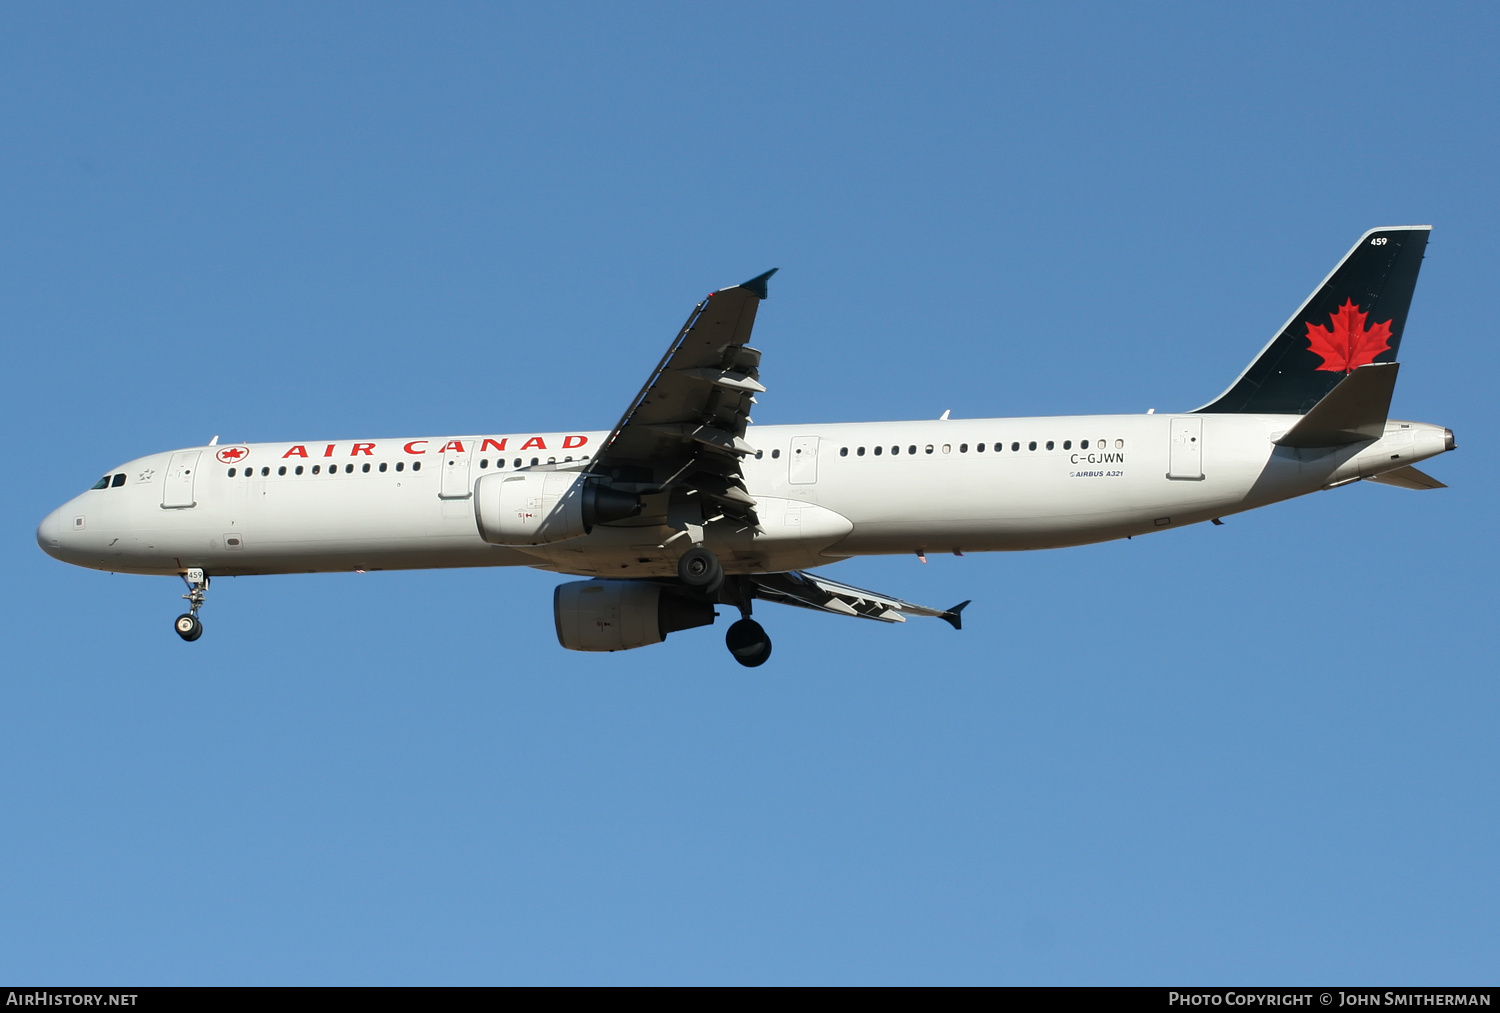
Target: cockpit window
x=119, y=481
x=103, y=483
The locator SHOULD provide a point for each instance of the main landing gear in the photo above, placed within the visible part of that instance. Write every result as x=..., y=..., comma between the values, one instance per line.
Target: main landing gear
x=746, y=639
x=700, y=571
x=188, y=626
x=748, y=642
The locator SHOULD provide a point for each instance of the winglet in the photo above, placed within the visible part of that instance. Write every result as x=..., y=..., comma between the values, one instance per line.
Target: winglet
x=953, y=618
x=757, y=285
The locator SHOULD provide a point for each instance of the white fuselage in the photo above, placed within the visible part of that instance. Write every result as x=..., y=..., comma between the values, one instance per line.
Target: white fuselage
x=823, y=493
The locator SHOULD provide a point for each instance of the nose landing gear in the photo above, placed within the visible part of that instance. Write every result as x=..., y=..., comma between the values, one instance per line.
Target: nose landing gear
x=188, y=626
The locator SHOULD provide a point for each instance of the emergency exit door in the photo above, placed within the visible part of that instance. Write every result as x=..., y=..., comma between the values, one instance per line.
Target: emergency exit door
x=804, y=463
x=455, y=484
x=1186, y=460
x=182, y=472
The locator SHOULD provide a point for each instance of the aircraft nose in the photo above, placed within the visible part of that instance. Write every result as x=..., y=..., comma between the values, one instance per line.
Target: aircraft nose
x=49, y=533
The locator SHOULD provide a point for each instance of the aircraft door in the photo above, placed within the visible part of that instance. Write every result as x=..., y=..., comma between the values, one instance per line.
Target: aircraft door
x=804, y=462
x=182, y=472
x=455, y=465
x=1186, y=460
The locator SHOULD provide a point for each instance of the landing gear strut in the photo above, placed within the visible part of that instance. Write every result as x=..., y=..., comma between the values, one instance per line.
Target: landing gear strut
x=700, y=570
x=188, y=626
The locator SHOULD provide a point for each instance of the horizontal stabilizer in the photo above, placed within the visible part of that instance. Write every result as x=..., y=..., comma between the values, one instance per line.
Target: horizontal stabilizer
x=1352, y=412
x=1407, y=478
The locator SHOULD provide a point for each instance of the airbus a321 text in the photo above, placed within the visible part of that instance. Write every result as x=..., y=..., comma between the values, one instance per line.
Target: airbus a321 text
x=685, y=505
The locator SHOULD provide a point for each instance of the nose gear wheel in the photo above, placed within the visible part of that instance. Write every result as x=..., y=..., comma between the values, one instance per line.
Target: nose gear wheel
x=188, y=627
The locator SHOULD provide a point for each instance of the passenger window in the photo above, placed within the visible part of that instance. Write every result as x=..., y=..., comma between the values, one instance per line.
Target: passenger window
x=416, y=466
x=1049, y=444
x=775, y=454
x=484, y=462
x=1083, y=445
x=365, y=468
x=281, y=470
x=400, y=465
x=1016, y=446
x=759, y=454
x=535, y=461
x=947, y=448
x=1031, y=445
x=119, y=480
x=317, y=469
x=265, y=473
x=929, y=448
x=895, y=450
x=1067, y=444
x=843, y=451
x=299, y=469
x=518, y=462
x=382, y=467
x=912, y=449
x=1119, y=444
x=963, y=448
x=860, y=452
x=879, y=451
x=232, y=473
x=979, y=448
x=348, y=469
x=249, y=472
x=103, y=483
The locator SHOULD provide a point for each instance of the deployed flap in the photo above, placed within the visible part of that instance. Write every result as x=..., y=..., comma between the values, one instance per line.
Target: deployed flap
x=1407, y=478
x=1352, y=412
x=686, y=428
x=808, y=591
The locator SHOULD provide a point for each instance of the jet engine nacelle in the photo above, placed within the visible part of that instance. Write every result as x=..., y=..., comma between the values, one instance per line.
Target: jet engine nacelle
x=617, y=615
x=537, y=507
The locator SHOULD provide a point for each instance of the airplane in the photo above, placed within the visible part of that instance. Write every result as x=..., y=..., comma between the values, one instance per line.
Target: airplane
x=686, y=504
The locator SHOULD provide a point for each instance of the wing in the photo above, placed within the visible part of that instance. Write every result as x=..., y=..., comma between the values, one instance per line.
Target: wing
x=808, y=591
x=685, y=430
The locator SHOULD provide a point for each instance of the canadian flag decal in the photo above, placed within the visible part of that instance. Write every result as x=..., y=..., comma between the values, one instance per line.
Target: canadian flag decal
x=1348, y=344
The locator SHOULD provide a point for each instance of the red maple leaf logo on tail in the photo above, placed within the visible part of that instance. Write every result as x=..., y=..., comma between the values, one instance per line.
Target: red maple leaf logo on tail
x=1347, y=345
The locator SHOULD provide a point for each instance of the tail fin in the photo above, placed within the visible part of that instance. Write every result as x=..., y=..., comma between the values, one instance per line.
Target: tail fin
x=1354, y=318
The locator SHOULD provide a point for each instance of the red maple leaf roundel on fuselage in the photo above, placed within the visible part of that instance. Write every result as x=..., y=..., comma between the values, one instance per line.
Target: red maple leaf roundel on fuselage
x=1347, y=345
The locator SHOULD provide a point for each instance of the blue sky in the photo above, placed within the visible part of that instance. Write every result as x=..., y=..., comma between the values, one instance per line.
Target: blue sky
x=1256, y=753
